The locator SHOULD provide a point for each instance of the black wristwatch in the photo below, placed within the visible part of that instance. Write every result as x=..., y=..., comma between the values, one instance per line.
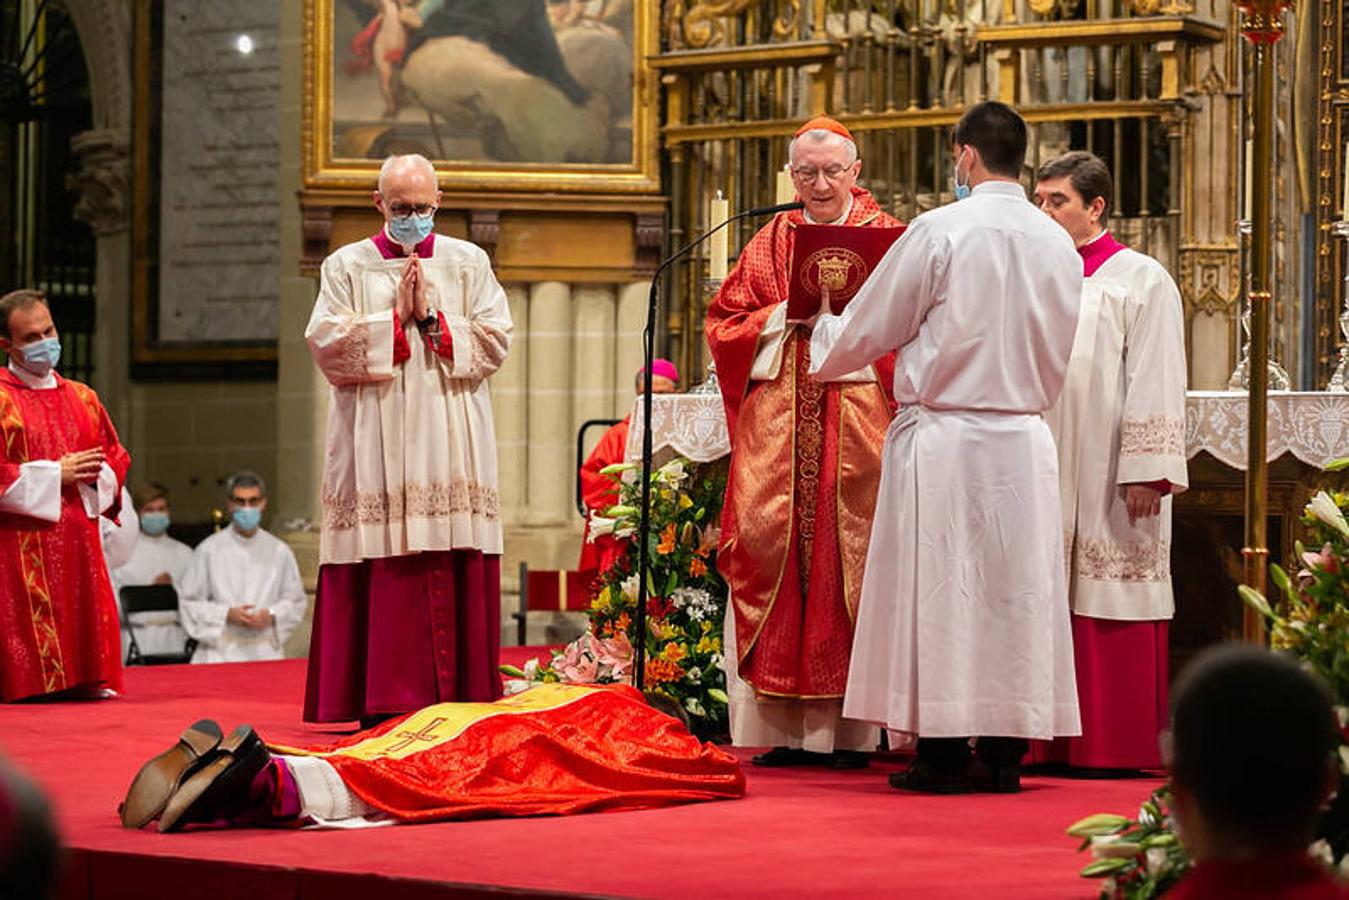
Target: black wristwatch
x=431, y=321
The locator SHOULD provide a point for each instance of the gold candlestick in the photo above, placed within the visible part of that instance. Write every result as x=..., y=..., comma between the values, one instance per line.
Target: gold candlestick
x=1262, y=25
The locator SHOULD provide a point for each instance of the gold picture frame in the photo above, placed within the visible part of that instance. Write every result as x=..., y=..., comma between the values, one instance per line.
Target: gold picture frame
x=516, y=141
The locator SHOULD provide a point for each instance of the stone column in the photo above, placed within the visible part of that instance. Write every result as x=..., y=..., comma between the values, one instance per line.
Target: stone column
x=301, y=391
x=510, y=410
x=632, y=300
x=102, y=185
x=593, y=309
x=549, y=380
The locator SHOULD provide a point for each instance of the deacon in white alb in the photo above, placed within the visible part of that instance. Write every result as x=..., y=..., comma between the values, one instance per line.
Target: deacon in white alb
x=963, y=628
x=1120, y=428
x=242, y=596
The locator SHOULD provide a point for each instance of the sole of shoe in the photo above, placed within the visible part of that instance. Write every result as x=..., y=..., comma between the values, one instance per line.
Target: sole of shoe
x=230, y=771
x=156, y=781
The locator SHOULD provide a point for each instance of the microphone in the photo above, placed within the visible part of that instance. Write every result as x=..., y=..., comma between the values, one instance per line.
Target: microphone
x=772, y=210
x=649, y=349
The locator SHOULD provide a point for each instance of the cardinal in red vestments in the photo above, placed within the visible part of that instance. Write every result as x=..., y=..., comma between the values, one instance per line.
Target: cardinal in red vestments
x=598, y=491
x=61, y=468
x=805, y=466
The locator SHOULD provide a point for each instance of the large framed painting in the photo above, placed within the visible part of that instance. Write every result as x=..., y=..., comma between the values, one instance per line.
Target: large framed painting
x=503, y=95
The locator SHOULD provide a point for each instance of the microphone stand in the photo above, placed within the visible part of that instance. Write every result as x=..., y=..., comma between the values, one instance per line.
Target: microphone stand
x=649, y=348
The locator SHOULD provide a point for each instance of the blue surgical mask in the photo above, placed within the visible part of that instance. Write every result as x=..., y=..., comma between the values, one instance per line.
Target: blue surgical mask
x=246, y=518
x=961, y=190
x=40, y=357
x=412, y=229
x=155, y=523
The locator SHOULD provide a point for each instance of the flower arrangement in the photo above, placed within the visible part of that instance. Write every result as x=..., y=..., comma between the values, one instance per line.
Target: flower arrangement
x=1141, y=858
x=1138, y=858
x=686, y=598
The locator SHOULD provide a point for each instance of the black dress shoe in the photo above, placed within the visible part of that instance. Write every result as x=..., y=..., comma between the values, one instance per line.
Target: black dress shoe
x=923, y=778
x=997, y=779
x=781, y=757
x=219, y=790
x=849, y=760
x=159, y=778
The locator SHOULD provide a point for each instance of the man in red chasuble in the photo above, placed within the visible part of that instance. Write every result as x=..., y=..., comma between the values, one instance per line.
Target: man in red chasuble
x=805, y=465
x=598, y=491
x=408, y=327
x=61, y=468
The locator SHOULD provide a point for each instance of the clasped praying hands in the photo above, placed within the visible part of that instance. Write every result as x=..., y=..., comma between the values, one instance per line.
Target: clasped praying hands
x=410, y=299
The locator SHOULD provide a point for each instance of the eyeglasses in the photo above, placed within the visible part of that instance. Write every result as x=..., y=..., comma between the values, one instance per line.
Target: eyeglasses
x=807, y=174
x=399, y=210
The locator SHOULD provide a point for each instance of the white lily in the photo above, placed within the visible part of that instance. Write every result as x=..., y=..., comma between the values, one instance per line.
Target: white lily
x=600, y=525
x=1157, y=859
x=1323, y=507
x=515, y=686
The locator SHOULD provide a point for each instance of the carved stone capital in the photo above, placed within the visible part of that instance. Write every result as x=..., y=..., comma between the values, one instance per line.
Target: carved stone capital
x=649, y=230
x=316, y=230
x=102, y=183
x=484, y=229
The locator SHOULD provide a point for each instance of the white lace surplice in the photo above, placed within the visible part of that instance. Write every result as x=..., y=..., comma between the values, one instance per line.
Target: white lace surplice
x=411, y=460
x=1121, y=420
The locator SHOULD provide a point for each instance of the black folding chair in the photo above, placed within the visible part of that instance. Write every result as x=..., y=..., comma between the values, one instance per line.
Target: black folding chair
x=581, y=455
x=151, y=598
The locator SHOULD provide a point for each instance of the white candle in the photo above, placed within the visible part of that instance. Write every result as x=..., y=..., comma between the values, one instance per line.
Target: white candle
x=786, y=191
x=1344, y=205
x=1247, y=210
x=719, y=213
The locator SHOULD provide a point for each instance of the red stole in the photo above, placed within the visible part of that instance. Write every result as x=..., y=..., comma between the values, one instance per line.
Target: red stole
x=58, y=619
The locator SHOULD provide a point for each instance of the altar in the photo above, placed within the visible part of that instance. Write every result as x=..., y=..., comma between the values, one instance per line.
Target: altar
x=1307, y=429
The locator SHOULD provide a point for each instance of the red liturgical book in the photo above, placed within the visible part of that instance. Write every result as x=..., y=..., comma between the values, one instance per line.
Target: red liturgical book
x=836, y=258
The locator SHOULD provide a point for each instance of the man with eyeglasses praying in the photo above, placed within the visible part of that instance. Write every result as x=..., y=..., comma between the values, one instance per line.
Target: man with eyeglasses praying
x=805, y=464
x=408, y=327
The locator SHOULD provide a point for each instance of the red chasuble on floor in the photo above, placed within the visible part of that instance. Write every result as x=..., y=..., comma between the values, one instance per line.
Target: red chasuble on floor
x=805, y=466
x=58, y=618
x=598, y=493
x=552, y=750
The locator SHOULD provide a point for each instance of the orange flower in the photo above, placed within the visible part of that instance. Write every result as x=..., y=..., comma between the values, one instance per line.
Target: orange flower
x=697, y=568
x=659, y=670
x=674, y=652
x=667, y=540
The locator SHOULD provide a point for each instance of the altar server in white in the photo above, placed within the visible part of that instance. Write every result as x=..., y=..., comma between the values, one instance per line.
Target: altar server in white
x=242, y=596
x=963, y=628
x=408, y=327
x=155, y=558
x=1120, y=429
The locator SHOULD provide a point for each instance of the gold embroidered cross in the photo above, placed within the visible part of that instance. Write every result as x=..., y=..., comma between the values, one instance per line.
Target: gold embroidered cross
x=408, y=737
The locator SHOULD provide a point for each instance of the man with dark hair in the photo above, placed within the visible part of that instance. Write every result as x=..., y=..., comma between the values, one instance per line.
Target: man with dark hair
x=1120, y=426
x=995, y=135
x=29, y=846
x=61, y=468
x=1252, y=762
x=242, y=596
x=963, y=629
x=155, y=559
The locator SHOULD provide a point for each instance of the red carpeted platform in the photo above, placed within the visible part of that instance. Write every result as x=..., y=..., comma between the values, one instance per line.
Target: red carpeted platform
x=801, y=832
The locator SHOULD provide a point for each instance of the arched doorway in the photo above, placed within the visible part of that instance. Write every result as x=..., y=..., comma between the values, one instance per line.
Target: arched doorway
x=44, y=104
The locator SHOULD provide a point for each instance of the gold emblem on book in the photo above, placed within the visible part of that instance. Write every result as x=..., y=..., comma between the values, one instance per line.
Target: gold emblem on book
x=835, y=269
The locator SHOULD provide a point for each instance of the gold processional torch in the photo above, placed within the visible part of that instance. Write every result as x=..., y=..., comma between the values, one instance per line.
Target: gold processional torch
x=1262, y=25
